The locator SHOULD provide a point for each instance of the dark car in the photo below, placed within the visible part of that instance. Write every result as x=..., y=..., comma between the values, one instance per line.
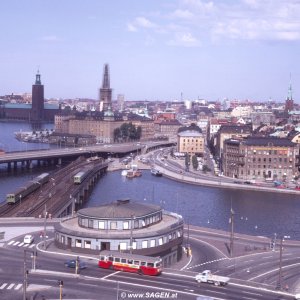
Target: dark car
x=72, y=264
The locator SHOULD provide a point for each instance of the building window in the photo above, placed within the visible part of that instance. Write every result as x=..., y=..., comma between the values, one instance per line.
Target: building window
x=123, y=246
x=101, y=225
x=87, y=244
x=144, y=244
x=134, y=245
x=136, y=223
x=78, y=243
x=160, y=241
x=91, y=223
x=152, y=243
x=113, y=225
x=125, y=225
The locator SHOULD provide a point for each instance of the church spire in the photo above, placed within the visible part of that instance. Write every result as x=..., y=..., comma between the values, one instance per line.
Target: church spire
x=105, y=82
x=290, y=91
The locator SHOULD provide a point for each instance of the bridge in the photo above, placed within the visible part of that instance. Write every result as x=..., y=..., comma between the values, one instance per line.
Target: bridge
x=57, y=156
x=60, y=196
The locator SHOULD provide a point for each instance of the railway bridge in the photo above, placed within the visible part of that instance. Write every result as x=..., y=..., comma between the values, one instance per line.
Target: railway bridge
x=60, y=196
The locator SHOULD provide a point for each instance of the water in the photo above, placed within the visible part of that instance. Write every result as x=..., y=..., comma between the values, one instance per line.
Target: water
x=9, y=143
x=255, y=212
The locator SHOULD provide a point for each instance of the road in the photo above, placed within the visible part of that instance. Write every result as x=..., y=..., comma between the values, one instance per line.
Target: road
x=252, y=277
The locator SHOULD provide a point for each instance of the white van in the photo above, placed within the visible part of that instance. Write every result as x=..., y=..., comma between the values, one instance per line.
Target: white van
x=28, y=239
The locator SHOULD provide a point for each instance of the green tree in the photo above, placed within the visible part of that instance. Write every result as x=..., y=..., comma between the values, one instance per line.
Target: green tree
x=206, y=169
x=195, y=162
x=127, y=132
x=187, y=161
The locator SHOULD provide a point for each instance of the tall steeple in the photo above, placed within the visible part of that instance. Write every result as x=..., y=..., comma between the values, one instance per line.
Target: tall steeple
x=289, y=102
x=37, y=105
x=105, y=81
x=105, y=94
x=290, y=91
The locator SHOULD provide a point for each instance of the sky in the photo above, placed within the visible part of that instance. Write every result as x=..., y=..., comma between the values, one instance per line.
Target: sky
x=156, y=49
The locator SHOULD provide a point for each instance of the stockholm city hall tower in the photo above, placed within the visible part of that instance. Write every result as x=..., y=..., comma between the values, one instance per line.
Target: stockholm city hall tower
x=37, y=108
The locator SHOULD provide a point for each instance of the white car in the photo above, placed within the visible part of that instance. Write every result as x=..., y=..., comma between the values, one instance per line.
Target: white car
x=297, y=296
x=28, y=239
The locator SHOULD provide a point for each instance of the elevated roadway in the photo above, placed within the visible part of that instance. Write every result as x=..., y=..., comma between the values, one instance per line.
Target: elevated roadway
x=56, y=156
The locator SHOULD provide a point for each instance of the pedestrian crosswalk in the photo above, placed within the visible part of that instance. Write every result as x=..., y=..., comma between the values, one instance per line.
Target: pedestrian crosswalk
x=10, y=286
x=20, y=244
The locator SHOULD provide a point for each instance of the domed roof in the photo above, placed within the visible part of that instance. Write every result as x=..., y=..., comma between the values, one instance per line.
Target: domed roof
x=109, y=112
x=120, y=209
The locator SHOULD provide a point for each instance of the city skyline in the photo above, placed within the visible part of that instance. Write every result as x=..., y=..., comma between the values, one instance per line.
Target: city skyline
x=169, y=50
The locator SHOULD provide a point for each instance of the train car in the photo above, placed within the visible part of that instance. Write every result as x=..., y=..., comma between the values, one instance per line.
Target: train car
x=43, y=178
x=27, y=189
x=80, y=176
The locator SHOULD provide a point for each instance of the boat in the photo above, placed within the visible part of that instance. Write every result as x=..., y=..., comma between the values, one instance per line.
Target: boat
x=124, y=173
x=156, y=172
x=133, y=173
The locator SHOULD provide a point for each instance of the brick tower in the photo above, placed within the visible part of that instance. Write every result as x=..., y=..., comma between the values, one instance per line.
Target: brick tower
x=37, y=109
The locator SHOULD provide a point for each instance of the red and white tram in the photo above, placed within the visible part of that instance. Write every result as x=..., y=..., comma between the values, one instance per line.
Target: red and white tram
x=130, y=262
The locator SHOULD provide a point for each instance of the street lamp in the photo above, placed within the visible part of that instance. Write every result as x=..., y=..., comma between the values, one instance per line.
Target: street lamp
x=231, y=221
x=45, y=215
x=279, y=283
x=131, y=232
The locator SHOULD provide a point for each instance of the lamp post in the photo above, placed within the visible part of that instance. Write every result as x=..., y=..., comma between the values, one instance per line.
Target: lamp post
x=231, y=221
x=45, y=219
x=279, y=283
x=131, y=232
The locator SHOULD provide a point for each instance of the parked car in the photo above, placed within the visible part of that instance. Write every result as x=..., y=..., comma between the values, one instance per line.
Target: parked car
x=28, y=239
x=72, y=264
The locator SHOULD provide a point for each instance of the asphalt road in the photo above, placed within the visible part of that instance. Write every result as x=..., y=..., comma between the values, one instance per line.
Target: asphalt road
x=252, y=277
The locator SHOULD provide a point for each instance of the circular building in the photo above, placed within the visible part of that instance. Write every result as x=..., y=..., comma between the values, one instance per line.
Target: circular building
x=125, y=226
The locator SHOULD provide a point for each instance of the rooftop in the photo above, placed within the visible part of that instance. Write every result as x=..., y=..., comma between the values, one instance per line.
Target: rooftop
x=120, y=209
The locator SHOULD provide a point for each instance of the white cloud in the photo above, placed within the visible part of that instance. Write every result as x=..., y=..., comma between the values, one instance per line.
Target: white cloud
x=188, y=21
x=185, y=39
x=182, y=14
x=50, y=38
x=143, y=22
x=131, y=27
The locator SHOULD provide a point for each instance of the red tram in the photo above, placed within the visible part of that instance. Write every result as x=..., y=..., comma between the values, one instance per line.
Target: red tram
x=146, y=265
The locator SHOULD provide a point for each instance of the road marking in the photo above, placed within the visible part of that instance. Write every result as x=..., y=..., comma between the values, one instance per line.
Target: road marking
x=20, y=245
x=16, y=243
x=3, y=286
x=10, y=286
x=206, y=263
x=251, y=293
x=31, y=246
x=26, y=245
x=18, y=286
x=10, y=242
x=187, y=263
x=110, y=275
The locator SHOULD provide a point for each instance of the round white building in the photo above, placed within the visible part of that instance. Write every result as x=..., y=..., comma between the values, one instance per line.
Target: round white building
x=125, y=226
